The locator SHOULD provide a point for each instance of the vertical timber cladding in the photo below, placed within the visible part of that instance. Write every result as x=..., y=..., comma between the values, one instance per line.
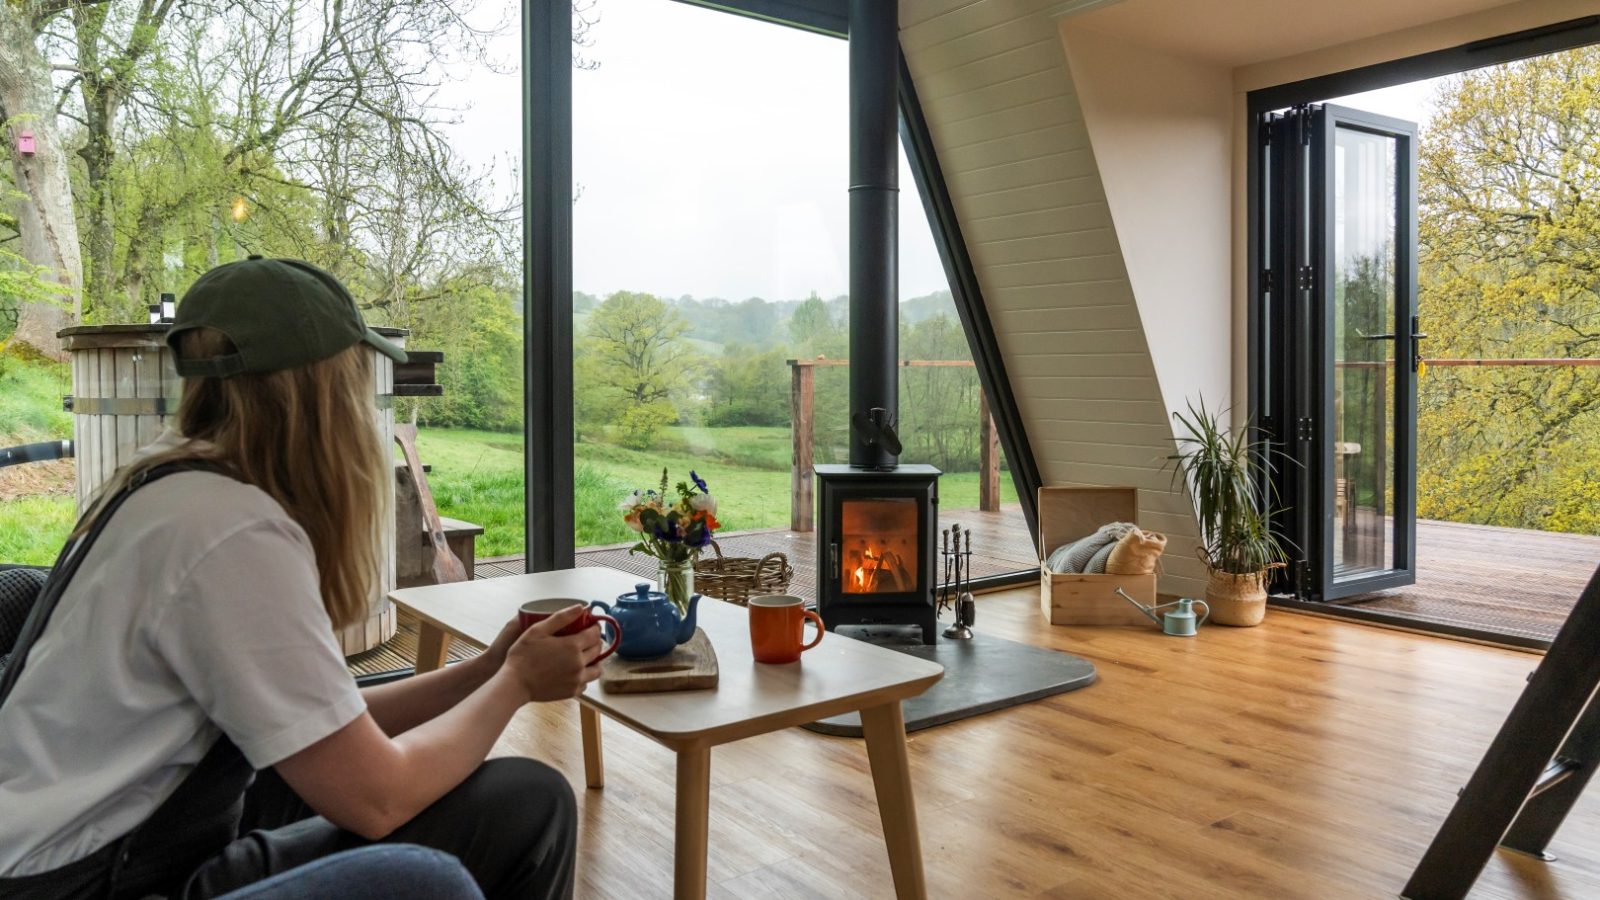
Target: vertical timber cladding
x=1005, y=119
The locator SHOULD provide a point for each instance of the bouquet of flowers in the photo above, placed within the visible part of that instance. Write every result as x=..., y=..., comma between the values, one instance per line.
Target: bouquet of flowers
x=673, y=526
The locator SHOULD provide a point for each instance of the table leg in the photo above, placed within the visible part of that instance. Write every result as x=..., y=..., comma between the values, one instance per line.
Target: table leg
x=694, y=808
x=594, y=764
x=433, y=647
x=885, y=731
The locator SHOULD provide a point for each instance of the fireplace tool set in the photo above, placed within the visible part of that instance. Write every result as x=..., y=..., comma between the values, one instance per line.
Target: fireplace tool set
x=955, y=594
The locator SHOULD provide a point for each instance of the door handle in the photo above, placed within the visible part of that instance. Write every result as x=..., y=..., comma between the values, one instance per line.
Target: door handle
x=1380, y=336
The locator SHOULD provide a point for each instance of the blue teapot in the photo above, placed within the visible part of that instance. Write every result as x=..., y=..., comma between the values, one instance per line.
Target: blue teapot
x=650, y=622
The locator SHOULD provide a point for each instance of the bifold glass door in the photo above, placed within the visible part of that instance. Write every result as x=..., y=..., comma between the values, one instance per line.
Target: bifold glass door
x=1338, y=345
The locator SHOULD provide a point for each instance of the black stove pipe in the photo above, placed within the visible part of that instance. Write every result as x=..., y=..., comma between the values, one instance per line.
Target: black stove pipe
x=874, y=233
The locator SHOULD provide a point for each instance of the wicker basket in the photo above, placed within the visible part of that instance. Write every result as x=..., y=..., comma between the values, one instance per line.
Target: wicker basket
x=738, y=578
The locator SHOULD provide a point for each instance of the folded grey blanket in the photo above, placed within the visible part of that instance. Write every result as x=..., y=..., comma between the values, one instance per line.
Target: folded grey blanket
x=1089, y=554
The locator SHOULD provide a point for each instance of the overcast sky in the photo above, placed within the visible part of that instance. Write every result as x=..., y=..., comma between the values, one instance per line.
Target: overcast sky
x=711, y=156
x=710, y=152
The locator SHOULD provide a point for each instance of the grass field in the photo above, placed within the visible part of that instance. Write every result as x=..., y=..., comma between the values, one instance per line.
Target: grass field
x=478, y=476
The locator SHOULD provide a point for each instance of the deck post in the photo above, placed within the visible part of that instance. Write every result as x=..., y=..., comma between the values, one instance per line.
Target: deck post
x=988, y=457
x=802, y=506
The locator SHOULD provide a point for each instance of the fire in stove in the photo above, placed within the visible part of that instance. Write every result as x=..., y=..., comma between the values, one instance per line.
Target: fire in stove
x=879, y=541
x=883, y=571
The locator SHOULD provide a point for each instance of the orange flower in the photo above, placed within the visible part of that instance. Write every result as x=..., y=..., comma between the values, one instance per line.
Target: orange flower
x=708, y=519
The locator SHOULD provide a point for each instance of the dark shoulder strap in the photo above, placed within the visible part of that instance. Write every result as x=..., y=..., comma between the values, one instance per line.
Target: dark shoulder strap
x=71, y=557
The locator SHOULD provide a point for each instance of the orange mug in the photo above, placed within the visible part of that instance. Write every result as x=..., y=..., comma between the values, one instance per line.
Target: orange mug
x=777, y=628
x=539, y=610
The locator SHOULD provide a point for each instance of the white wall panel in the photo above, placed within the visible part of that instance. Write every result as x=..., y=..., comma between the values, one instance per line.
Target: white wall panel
x=1004, y=114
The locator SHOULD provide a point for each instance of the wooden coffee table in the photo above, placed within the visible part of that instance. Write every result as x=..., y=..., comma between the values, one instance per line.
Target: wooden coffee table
x=841, y=675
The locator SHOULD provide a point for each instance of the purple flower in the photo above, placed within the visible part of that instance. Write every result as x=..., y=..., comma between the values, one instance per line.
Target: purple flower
x=698, y=481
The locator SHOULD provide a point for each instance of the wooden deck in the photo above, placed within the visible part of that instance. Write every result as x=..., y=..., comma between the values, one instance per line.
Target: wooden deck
x=1510, y=581
x=1001, y=545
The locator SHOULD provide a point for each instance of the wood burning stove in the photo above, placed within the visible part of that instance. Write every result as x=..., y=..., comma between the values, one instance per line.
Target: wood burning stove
x=875, y=528
x=875, y=519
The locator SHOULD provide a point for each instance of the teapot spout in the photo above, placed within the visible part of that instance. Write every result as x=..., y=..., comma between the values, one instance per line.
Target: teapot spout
x=687, y=626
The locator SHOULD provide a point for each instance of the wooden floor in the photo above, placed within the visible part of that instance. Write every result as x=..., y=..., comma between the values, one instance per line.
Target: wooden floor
x=1306, y=758
x=1511, y=581
x=1001, y=545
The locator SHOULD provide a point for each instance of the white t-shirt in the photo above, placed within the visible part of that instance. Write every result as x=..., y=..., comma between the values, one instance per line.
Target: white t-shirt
x=198, y=609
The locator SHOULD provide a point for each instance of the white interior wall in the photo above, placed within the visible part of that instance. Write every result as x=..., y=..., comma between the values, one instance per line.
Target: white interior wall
x=1161, y=128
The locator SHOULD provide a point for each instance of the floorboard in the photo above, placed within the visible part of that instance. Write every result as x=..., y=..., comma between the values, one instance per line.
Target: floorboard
x=1306, y=758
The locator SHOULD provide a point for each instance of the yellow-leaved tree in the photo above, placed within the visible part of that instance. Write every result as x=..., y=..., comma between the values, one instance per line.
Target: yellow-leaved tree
x=1509, y=267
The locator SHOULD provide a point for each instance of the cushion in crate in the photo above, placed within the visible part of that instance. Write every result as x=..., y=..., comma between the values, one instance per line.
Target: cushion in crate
x=1078, y=555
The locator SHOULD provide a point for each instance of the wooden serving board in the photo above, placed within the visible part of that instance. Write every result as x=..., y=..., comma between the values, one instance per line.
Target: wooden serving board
x=691, y=666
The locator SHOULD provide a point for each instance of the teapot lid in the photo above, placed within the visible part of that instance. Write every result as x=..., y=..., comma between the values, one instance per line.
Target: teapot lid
x=642, y=594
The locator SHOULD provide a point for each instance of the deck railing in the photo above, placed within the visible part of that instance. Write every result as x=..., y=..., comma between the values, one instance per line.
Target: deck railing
x=802, y=396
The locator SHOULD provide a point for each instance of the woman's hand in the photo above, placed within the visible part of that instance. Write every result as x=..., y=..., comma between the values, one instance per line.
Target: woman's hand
x=495, y=656
x=550, y=666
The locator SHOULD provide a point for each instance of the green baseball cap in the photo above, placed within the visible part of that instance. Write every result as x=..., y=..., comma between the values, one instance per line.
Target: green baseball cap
x=279, y=314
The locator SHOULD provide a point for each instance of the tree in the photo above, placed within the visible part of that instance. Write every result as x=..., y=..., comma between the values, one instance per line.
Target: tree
x=1509, y=234
x=813, y=330
x=42, y=222
x=633, y=367
x=748, y=387
x=278, y=97
x=939, y=405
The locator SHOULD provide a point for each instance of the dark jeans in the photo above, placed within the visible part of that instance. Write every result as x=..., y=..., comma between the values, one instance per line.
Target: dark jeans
x=378, y=872
x=512, y=824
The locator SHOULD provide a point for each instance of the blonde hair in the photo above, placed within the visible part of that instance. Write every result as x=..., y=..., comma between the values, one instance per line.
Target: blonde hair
x=306, y=437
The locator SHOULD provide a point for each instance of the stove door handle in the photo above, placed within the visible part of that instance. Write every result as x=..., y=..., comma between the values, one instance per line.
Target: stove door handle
x=833, y=560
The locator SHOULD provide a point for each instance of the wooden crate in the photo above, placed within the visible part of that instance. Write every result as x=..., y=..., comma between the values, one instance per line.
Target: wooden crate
x=1069, y=513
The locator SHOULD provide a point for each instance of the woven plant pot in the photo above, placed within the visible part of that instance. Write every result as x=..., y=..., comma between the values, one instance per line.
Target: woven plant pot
x=1237, y=599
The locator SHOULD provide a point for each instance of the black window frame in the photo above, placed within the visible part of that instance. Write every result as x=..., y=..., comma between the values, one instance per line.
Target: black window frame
x=547, y=259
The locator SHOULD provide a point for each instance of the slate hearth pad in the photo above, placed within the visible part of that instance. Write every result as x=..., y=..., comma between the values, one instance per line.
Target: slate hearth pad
x=981, y=675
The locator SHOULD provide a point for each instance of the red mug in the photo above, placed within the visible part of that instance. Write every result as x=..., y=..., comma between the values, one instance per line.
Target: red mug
x=539, y=610
x=777, y=628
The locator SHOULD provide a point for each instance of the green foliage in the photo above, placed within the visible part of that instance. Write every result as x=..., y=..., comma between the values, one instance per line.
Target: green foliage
x=32, y=411
x=1223, y=471
x=32, y=529
x=939, y=405
x=481, y=335
x=1509, y=267
x=634, y=369
x=748, y=387
x=639, y=426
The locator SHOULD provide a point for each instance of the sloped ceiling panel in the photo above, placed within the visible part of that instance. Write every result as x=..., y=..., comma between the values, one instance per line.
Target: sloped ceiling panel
x=1000, y=102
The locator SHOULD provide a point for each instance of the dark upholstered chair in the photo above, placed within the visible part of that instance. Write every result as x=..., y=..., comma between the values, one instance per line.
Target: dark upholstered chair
x=19, y=588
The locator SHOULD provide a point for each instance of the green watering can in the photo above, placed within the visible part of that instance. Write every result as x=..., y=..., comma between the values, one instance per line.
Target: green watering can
x=1180, y=623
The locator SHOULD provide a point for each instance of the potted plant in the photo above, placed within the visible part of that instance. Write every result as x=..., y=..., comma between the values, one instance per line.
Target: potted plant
x=1226, y=475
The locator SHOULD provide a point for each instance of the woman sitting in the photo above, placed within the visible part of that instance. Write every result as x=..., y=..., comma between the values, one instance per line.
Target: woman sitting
x=183, y=724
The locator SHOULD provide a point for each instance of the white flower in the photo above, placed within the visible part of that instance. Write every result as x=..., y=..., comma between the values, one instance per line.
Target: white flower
x=630, y=501
x=703, y=503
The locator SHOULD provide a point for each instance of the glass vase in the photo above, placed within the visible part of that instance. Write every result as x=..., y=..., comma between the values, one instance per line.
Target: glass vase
x=676, y=580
